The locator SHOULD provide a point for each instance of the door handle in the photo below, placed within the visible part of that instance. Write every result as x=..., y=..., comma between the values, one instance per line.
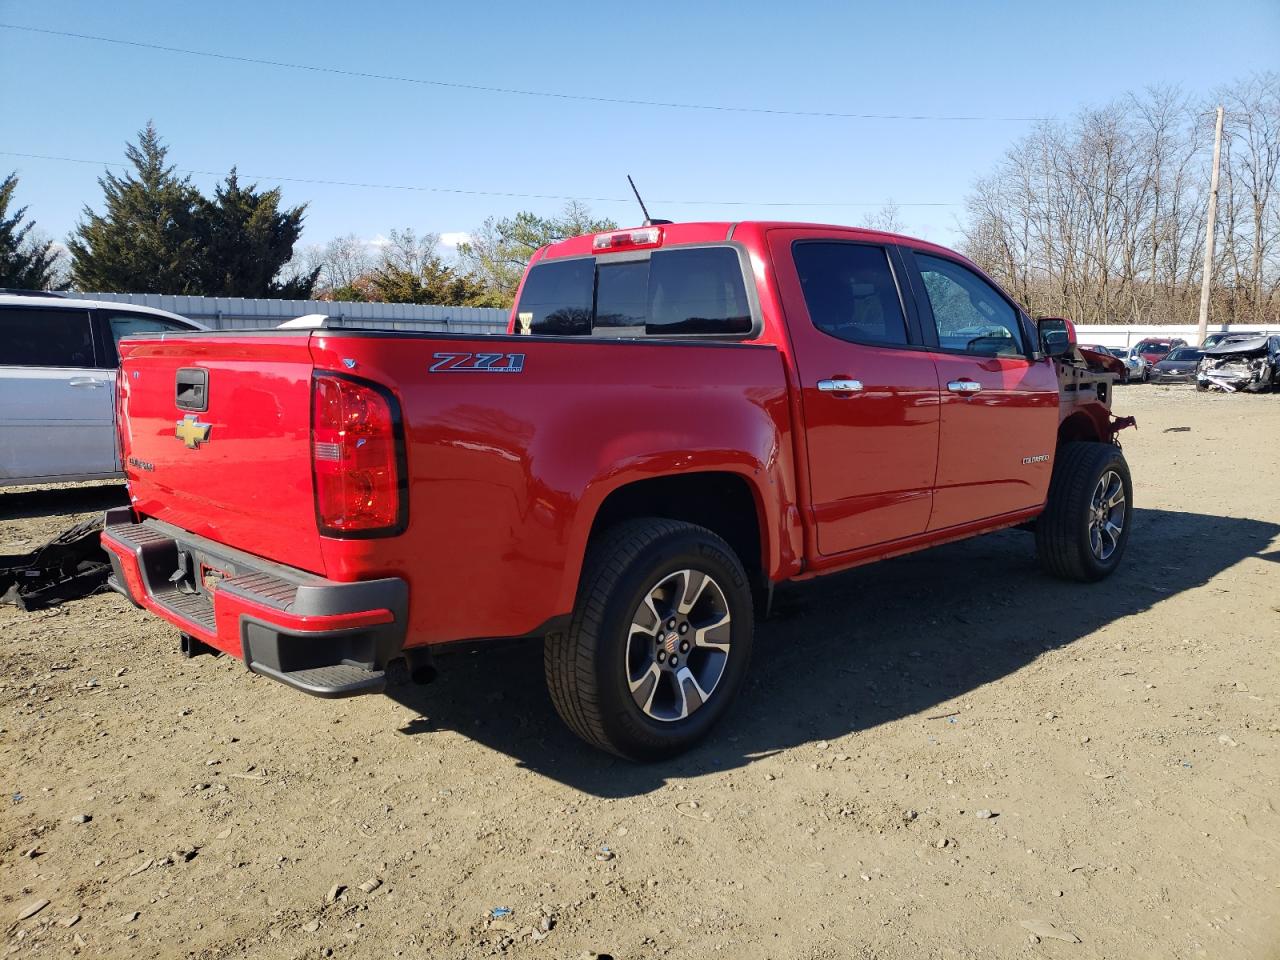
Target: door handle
x=964, y=386
x=89, y=382
x=840, y=386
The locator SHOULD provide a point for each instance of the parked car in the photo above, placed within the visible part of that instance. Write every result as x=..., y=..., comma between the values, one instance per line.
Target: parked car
x=1155, y=349
x=1178, y=367
x=1135, y=368
x=57, y=384
x=1251, y=364
x=682, y=417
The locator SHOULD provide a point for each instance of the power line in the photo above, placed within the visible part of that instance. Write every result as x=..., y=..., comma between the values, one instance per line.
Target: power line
x=489, y=193
x=459, y=85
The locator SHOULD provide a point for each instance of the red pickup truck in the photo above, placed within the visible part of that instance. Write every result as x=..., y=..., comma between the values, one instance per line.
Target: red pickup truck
x=681, y=417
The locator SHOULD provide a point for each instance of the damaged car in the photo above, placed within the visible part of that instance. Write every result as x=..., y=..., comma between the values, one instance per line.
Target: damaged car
x=1251, y=365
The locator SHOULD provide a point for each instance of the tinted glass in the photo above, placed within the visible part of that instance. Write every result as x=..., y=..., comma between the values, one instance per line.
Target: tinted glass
x=621, y=295
x=1185, y=353
x=557, y=298
x=128, y=324
x=693, y=291
x=850, y=292
x=969, y=313
x=697, y=291
x=45, y=338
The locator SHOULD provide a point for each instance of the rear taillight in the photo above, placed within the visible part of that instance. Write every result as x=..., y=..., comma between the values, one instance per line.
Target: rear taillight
x=357, y=457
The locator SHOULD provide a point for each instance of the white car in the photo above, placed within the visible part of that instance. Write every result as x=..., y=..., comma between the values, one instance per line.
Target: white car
x=1136, y=368
x=57, y=384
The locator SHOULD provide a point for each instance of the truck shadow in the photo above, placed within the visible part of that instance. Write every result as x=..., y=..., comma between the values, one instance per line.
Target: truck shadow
x=850, y=652
x=54, y=501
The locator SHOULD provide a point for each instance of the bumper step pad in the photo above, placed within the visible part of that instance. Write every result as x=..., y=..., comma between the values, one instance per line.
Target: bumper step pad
x=323, y=637
x=339, y=680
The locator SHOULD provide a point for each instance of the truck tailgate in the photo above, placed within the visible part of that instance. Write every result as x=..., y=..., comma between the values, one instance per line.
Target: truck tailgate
x=237, y=471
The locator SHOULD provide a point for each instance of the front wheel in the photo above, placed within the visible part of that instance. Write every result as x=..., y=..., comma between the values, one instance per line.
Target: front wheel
x=659, y=641
x=1085, y=525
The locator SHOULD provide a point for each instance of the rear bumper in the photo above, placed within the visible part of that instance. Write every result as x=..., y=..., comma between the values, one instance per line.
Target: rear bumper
x=324, y=637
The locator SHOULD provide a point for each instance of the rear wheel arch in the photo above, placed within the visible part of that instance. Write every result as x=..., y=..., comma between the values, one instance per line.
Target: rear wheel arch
x=726, y=503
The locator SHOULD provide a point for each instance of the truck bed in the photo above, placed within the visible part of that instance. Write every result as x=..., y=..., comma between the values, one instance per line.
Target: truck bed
x=511, y=443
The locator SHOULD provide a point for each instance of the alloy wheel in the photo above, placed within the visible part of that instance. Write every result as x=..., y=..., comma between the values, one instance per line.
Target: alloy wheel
x=678, y=645
x=1106, y=515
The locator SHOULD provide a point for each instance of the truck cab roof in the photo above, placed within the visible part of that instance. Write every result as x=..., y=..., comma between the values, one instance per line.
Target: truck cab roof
x=722, y=231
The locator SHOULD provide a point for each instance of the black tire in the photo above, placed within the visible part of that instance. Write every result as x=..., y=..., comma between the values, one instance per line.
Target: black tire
x=588, y=668
x=1065, y=532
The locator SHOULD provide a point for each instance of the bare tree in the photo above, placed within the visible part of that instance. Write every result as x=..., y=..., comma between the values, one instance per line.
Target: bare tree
x=887, y=218
x=345, y=264
x=1102, y=219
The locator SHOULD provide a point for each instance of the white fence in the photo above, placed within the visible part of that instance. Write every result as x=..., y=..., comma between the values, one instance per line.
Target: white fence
x=241, y=313
x=1126, y=335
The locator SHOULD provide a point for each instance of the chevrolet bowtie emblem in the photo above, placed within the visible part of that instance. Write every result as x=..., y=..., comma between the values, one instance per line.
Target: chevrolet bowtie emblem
x=191, y=431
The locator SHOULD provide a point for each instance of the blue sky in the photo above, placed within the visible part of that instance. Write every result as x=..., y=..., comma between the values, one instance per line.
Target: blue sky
x=76, y=98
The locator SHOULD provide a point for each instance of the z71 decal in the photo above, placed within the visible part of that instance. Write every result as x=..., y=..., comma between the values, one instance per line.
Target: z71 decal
x=478, y=363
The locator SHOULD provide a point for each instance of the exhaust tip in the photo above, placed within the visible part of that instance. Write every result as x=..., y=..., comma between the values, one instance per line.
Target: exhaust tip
x=422, y=667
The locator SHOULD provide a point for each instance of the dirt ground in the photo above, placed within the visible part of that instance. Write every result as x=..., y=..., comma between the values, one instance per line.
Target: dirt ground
x=1122, y=736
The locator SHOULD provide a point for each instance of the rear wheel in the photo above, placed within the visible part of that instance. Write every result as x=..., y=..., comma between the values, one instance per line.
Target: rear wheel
x=659, y=643
x=1085, y=525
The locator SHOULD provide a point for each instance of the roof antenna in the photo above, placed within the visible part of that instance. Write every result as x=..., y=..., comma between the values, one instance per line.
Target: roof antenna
x=648, y=221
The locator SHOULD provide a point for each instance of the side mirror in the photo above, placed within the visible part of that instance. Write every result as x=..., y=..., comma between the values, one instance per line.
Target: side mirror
x=1057, y=336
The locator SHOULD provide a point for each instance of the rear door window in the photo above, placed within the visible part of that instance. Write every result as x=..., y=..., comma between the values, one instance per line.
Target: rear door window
x=680, y=292
x=850, y=292
x=45, y=338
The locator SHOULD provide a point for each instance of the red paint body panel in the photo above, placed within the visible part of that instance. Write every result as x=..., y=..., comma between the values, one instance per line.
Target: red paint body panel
x=505, y=473
x=987, y=436
x=250, y=484
x=872, y=455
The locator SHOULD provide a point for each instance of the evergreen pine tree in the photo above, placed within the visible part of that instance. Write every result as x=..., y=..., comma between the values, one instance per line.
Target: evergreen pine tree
x=25, y=262
x=247, y=240
x=149, y=238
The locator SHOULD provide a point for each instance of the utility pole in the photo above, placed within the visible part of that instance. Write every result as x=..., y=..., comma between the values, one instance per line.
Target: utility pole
x=1203, y=329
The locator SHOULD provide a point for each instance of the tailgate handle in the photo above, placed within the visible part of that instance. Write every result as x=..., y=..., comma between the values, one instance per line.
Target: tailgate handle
x=192, y=389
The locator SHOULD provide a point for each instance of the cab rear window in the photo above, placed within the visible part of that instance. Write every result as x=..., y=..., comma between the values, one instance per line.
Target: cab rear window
x=697, y=291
